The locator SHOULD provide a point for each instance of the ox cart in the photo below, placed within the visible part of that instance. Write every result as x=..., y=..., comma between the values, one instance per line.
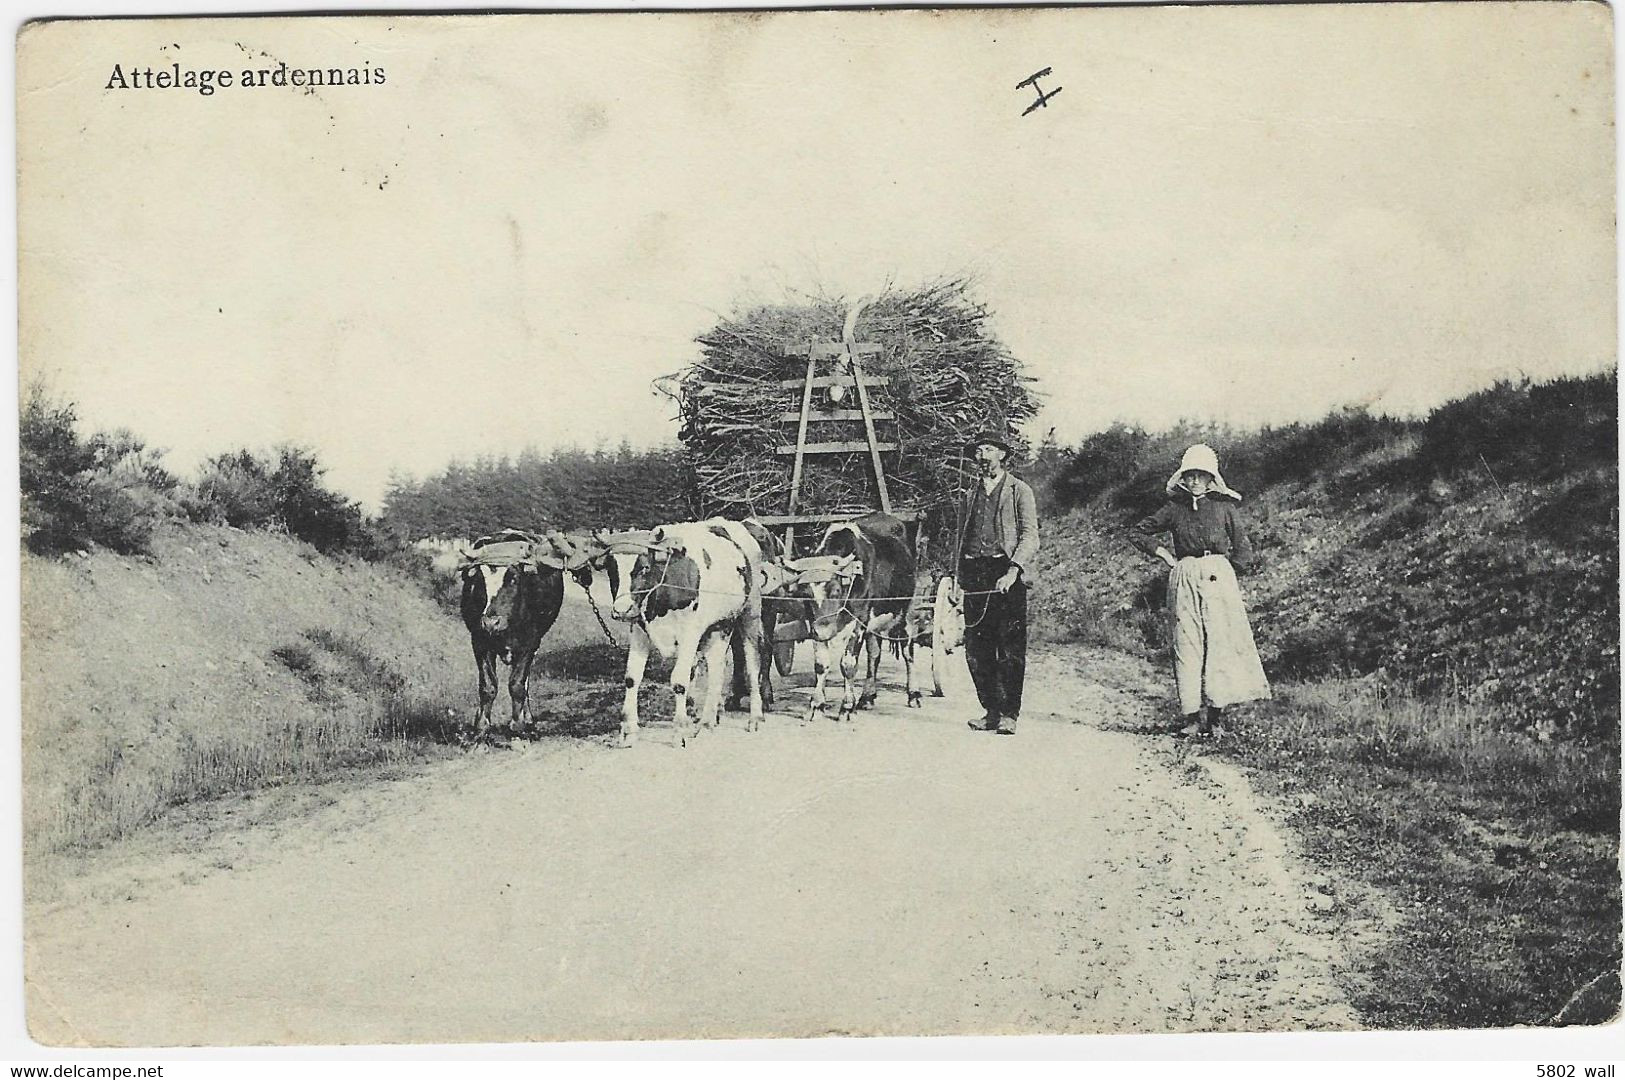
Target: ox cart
x=828, y=460
x=833, y=395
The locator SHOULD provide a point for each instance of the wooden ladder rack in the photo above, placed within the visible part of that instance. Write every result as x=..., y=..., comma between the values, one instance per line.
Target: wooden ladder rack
x=848, y=357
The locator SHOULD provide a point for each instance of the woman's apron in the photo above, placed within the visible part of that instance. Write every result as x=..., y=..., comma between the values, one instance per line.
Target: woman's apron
x=1215, y=659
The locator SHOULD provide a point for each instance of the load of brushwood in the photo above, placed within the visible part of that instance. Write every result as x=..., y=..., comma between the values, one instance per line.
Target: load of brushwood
x=948, y=378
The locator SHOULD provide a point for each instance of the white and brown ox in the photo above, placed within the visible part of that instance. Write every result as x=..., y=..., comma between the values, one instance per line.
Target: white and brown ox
x=685, y=590
x=510, y=600
x=858, y=589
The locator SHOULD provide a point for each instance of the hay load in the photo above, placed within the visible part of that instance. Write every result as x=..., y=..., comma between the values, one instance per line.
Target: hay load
x=939, y=372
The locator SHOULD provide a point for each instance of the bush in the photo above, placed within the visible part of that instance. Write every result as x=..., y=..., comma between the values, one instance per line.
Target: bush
x=1099, y=463
x=322, y=518
x=248, y=491
x=110, y=489
x=1519, y=431
x=1297, y=452
x=232, y=489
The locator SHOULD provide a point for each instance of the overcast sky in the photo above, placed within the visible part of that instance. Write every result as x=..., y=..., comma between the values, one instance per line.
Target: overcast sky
x=1254, y=214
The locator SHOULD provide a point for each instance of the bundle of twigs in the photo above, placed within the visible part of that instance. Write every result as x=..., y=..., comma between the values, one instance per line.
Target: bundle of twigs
x=949, y=378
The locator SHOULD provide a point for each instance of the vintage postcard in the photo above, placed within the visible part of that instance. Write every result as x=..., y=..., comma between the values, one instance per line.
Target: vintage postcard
x=713, y=525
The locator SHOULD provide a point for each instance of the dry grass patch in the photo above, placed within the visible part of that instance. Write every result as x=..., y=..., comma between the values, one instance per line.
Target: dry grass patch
x=1499, y=852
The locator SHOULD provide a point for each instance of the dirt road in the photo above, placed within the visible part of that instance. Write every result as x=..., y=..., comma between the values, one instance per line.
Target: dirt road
x=898, y=875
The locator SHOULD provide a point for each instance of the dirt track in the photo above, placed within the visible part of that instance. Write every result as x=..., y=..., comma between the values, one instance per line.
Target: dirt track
x=898, y=875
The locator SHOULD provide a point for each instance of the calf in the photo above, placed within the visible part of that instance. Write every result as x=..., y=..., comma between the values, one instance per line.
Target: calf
x=509, y=603
x=858, y=587
x=685, y=589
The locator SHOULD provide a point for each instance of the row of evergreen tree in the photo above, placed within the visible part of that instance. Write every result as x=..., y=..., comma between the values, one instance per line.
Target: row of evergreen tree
x=562, y=489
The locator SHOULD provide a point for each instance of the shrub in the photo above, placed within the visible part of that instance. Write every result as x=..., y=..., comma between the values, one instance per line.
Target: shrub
x=232, y=489
x=247, y=491
x=1100, y=462
x=109, y=489
x=1297, y=452
x=1514, y=430
x=322, y=518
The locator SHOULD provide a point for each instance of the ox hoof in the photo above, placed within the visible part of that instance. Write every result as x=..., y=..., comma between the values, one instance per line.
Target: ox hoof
x=916, y=700
x=866, y=703
x=629, y=737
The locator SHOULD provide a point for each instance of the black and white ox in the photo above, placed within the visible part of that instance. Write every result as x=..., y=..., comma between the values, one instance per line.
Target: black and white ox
x=685, y=590
x=857, y=590
x=509, y=603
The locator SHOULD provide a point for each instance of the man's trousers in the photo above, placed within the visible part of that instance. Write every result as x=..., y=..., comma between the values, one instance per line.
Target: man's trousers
x=995, y=635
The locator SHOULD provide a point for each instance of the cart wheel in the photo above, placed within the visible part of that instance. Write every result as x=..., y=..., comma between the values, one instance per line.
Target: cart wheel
x=784, y=657
x=947, y=631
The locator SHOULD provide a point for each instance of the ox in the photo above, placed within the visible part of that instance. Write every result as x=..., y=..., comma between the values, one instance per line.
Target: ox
x=510, y=601
x=777, y=606
x=856, y=588
x=685, y=589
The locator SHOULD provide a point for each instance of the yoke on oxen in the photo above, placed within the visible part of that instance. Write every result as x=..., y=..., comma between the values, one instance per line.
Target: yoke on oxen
x=501, y=553
x=935, y=618
x=509, y=600
x=560, y=551
x=685, y=591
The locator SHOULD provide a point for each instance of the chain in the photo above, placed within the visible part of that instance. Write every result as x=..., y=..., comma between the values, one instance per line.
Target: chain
x=602, y=625
x=986, y=603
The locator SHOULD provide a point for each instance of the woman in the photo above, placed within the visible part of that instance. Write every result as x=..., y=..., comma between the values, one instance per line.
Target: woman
x=1215, y=660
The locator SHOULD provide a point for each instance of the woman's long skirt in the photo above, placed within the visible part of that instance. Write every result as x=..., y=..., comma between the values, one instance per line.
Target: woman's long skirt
x=1215, y=659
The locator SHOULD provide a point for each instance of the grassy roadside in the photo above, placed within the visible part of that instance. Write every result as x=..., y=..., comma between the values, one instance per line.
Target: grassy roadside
x=230, y=661
x=1437, y=603
x=1498, y=854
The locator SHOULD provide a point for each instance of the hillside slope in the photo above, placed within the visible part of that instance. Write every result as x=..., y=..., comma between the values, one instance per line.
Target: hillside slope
x=225, y=660
x=1474, y=554
x=1437, y=609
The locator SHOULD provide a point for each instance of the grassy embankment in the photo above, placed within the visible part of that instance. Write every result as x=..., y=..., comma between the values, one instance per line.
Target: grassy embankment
x=1438, y=608
x=229, y=660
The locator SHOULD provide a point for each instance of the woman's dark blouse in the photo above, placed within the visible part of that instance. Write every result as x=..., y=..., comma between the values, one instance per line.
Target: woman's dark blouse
x=1214, y=526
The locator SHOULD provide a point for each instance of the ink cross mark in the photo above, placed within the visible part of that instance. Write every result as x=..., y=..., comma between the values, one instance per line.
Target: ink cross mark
x=1043, y=98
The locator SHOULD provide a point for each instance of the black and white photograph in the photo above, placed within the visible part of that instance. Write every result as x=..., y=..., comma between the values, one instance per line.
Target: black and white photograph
x=819, y=524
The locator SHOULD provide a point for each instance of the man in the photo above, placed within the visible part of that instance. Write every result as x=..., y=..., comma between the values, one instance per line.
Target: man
x=999, y=522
